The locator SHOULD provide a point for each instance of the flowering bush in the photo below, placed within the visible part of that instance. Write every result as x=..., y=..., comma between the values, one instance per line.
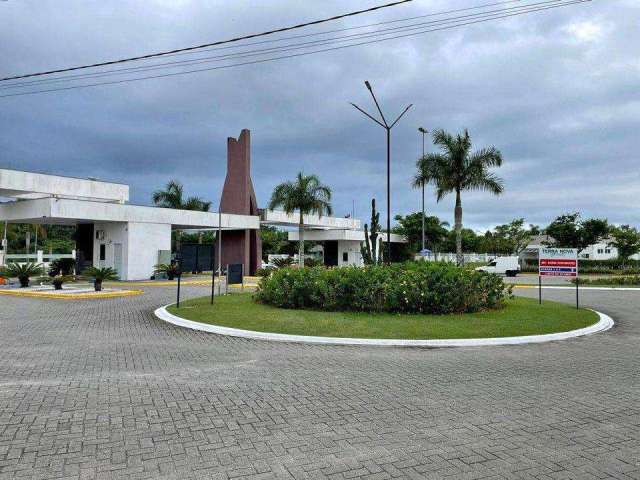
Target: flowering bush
x=413, y=287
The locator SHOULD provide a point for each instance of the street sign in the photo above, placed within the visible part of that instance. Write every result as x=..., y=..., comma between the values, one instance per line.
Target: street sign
x=558, y=262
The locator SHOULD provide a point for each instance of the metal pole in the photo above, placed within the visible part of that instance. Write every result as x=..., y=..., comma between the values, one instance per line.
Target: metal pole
x=219, y=252
x=213, y=271
x=539, y=290
x=423, y=242
x=577, y=294
x=388, y=196
x=178, y=294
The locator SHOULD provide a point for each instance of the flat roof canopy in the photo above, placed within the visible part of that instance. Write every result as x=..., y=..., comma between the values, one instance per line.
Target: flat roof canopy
x=29, y=185
x=67, y=211
x=277, y=217
x=349, y=235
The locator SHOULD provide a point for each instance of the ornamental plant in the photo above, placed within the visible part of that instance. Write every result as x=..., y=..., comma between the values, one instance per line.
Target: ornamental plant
x=413, y=287
x=100, y=275
x=23, y=271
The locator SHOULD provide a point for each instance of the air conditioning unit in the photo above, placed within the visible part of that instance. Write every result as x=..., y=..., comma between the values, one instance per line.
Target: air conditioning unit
x=99, y=234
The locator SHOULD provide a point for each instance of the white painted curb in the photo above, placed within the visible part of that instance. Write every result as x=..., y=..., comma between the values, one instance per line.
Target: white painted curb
x=605, y=323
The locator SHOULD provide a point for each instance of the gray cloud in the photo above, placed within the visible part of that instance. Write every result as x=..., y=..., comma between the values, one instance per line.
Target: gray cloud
x=555, y=91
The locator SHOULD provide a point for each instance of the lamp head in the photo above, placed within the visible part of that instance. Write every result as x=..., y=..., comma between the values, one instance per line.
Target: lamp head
x=367, y=84
x=423, y=130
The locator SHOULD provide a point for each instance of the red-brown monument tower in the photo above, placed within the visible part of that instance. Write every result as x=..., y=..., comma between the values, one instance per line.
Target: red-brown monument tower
x=238, y=196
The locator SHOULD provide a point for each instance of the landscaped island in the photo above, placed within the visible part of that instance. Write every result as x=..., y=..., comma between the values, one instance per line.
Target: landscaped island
x=406, y=301
x=520, y=316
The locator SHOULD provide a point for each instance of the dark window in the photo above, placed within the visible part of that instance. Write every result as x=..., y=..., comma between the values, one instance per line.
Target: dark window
x=103, y=251
x=345, y=256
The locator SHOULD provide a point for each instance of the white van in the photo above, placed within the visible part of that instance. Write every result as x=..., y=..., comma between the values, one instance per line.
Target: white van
x=508, y=266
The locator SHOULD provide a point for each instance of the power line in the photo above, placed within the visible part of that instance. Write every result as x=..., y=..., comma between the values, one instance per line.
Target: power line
x=253, y=62
x=220, y=42
x=283, y=48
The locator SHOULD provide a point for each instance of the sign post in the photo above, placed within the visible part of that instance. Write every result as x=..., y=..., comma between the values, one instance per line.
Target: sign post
x=179, y=264
x=557, y=262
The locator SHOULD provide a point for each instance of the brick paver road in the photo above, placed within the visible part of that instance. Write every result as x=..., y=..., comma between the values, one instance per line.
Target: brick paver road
x=102, y=389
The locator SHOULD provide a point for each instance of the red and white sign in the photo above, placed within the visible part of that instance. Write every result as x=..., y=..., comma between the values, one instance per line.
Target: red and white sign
x=558, y=262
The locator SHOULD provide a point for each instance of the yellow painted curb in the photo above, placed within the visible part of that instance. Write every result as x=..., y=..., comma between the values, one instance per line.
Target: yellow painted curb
x=73, y=296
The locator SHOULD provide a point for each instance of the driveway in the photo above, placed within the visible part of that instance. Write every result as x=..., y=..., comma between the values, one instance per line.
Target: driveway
x=102, y=389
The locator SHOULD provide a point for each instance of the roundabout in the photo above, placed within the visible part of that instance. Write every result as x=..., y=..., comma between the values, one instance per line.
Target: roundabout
x=230, y=314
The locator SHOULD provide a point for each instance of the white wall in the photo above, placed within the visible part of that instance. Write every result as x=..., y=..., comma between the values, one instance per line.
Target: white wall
x=140, y=245
x=352, y=249
x=113, y=233
x=145, y=239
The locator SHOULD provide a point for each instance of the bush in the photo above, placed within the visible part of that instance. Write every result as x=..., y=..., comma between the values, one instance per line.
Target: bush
x=62, y=266
x=264, y=271
x=412, y=287
x=633, y=280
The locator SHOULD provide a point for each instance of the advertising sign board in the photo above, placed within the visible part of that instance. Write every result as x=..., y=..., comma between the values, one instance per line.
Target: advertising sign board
x=558, y=262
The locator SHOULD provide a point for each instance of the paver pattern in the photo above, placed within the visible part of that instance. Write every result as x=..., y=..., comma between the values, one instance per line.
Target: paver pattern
x=102, y=389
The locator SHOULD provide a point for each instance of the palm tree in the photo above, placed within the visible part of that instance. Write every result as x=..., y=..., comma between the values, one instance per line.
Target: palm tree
x=305, y=194
x=456, y=169
x=172, y=197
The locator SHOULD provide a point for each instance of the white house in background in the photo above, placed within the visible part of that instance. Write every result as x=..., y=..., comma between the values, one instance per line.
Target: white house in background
x=598, y=251
x=603, y=251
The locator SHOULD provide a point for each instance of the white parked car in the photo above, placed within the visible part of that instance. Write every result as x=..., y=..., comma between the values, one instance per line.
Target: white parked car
x=509, y=266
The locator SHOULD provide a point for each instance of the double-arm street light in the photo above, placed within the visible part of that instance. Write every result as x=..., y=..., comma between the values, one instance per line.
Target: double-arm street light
x=423, y=131
x=384, y=124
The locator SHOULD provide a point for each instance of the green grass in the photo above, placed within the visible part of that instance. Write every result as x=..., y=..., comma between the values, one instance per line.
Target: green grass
x=521, y=316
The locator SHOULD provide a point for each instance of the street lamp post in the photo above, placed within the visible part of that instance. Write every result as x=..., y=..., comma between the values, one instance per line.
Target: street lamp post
x=423, y=131
x=384, y=124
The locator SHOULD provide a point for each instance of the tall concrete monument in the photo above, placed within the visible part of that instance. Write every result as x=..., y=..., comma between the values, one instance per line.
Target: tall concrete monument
x=238, y=197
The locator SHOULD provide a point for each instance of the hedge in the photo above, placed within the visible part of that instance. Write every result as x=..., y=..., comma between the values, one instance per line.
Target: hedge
x=613, y=266
x=412, y=287
x=633, y=280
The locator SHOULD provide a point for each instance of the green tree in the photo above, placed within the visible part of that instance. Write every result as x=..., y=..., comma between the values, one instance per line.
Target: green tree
x=173, y=197
x=410, y=226
x=515, y=236
x=627, y=240
x=306, y=195
x=569, y=231
x=274, y=241
x=456, y=169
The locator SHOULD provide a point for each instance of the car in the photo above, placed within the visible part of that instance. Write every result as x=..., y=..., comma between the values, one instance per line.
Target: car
x=509, y=266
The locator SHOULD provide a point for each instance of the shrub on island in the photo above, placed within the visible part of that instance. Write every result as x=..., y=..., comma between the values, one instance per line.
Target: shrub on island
x=412, y=287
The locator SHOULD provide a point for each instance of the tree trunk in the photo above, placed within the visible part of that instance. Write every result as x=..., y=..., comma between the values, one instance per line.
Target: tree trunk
x=458, y=227
x=301, y=241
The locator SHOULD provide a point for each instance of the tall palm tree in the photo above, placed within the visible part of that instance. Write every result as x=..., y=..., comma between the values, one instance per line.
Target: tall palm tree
x=305, y=194
x=172, y=197
x=456, y=169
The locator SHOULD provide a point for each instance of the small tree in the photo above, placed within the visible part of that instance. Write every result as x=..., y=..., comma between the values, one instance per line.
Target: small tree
x=627, y=240
x=369, y=249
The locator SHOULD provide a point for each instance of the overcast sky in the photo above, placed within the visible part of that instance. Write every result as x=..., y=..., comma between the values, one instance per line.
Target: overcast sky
x=557, y=92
